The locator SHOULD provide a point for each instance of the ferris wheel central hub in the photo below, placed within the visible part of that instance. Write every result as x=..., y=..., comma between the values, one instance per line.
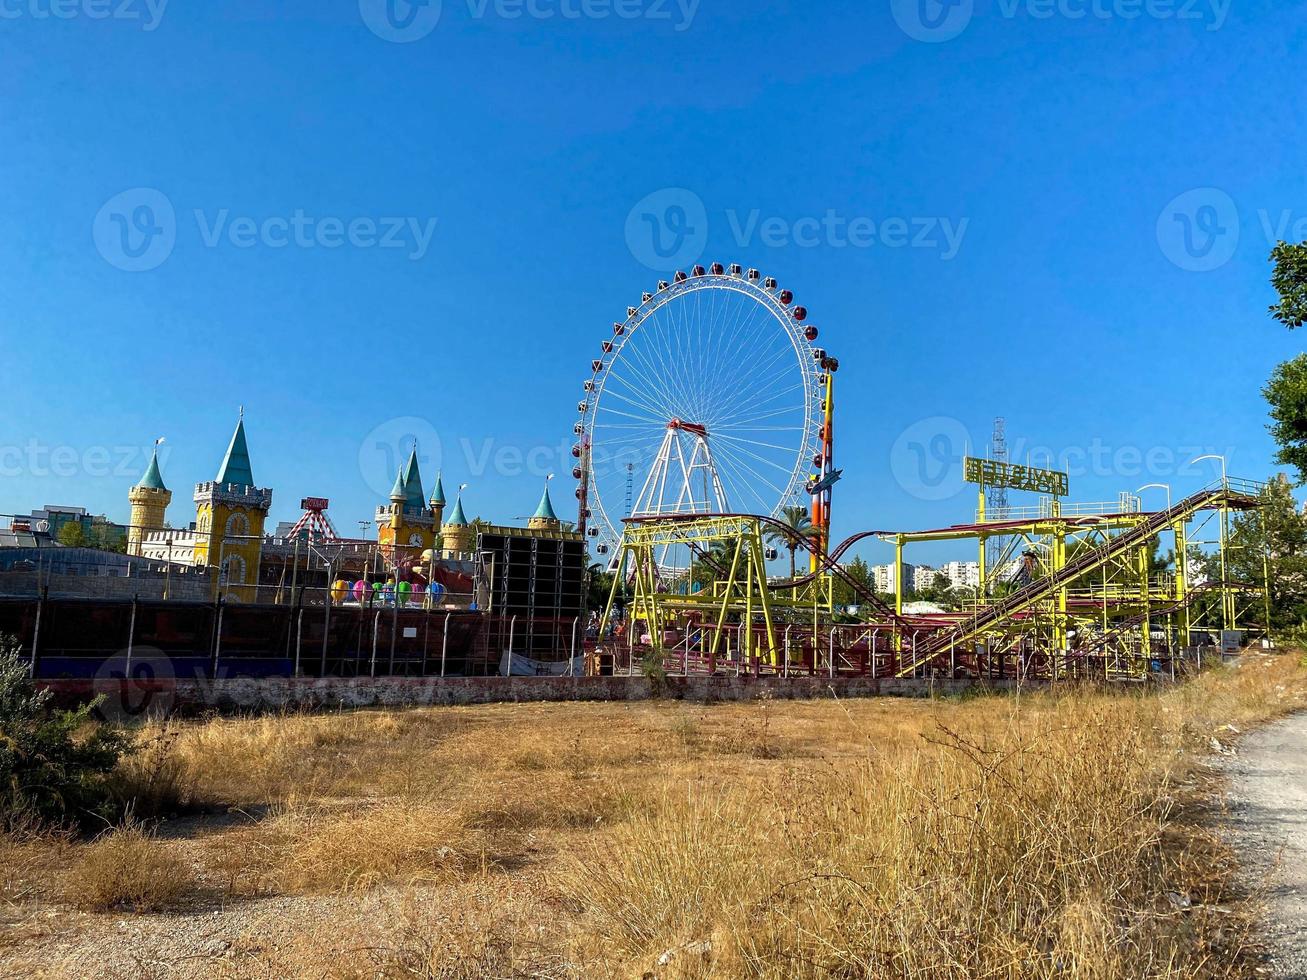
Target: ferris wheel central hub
x=679, y=425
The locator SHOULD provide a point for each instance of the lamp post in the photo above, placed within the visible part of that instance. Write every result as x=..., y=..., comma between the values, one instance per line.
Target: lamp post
x=1199, y=459
x=1157, y=486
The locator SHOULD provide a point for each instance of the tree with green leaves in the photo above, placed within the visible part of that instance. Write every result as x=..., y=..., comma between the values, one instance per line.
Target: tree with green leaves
x=599, y=586
x=107, y=537
x=1270, y=540
x=798, y=525
x=1290, y=281
x=1286, y=392
x=860, y=572
x=51, y=771
x=71, y=535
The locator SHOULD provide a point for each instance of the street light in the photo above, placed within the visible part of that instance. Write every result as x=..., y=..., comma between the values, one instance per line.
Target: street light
x=1157, y=486
x=1212, y=456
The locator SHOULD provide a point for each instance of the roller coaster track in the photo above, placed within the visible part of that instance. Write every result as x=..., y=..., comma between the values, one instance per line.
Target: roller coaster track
x=975, y=626
x=827, y=564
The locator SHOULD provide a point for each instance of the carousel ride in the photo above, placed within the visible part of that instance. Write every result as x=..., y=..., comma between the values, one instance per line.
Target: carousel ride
x=705, y=449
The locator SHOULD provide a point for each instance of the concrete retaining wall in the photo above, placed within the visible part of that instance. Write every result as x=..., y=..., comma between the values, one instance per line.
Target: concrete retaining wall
x=137, y=697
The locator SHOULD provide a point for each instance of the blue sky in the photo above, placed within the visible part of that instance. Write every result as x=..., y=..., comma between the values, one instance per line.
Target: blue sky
x=1068, y=154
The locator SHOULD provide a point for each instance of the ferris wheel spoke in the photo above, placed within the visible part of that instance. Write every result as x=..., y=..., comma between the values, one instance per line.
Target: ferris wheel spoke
x=742, y=446
x=756, y=410
x=756, y=369
x=653, y=410
x=651, y=383
x=731, y=456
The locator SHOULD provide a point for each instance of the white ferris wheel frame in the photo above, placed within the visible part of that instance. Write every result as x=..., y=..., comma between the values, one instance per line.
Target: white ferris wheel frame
x=807, y=357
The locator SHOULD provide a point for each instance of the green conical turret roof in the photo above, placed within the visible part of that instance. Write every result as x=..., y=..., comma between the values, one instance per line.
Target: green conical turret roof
x=236, y=464
x=545, y=512
x=397, y=492
x=153, y=479
x=438, y=493
x=458, y=518
x=414, y=498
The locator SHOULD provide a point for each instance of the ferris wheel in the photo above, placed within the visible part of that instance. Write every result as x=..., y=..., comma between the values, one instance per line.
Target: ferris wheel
x=707, y=398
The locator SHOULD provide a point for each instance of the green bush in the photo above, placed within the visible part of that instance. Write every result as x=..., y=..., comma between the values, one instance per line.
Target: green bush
x=54, y=765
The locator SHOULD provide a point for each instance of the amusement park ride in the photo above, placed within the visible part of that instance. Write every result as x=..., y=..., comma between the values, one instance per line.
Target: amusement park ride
x=713, y=398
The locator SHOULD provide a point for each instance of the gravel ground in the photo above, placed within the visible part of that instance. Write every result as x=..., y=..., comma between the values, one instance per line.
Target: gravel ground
x=1268, y=820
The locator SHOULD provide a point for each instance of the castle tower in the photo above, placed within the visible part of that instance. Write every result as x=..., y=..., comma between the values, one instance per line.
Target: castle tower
x=229, y=516
x=544, y=518
x=149, y=500
x=438, y=503
x=457, y=537
x=405, y=528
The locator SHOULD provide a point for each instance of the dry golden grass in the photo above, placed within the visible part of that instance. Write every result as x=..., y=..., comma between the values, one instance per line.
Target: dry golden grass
x=128, y=868
x=1031, y=835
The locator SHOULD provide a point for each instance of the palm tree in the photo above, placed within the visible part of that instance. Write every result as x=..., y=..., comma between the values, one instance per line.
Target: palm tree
x=798, y=524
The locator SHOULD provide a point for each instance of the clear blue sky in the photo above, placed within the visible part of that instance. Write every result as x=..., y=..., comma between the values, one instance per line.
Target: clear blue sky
x=1057, y=142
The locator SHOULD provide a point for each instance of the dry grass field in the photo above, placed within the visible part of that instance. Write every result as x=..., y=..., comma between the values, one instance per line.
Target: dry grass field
x=1058, y=834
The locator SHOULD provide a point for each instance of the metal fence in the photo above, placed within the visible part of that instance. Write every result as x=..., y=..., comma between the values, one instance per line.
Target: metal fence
x=311, y=636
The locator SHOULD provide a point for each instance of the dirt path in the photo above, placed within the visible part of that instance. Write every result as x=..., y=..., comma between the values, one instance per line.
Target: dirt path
x=1268, y=817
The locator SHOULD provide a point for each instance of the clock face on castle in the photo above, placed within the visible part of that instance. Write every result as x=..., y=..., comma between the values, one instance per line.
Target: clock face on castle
x=415, y=540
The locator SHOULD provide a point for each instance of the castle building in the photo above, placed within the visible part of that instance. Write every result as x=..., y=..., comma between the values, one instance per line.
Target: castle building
x=405, y=526
x=149, y=500
x=229, y=516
